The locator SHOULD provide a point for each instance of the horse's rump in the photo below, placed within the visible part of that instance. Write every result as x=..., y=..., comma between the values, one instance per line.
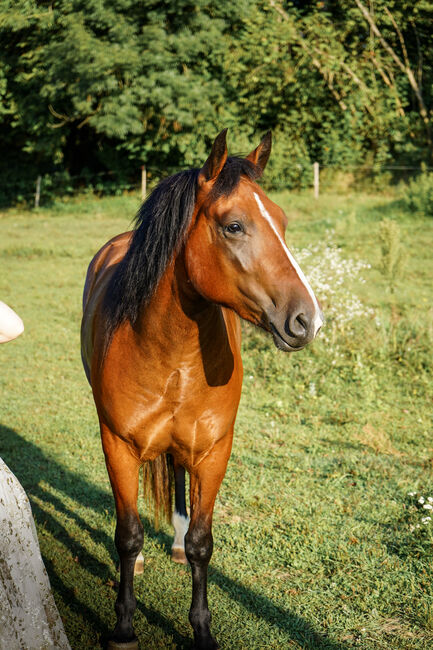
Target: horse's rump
x=98, y=276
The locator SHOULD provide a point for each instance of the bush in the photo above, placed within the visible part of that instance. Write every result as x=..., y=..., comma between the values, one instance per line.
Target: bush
x=419, y=194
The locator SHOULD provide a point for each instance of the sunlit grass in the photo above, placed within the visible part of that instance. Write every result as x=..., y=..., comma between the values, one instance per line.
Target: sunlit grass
x=316, y=538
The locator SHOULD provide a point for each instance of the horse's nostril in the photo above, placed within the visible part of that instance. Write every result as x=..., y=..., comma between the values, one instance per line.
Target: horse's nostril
x=303, y=322
x=297, y=325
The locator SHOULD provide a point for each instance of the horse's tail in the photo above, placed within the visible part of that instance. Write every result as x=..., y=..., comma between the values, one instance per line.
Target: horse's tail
x=158, y=487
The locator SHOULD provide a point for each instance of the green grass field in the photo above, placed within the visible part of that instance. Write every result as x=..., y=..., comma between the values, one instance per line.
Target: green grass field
x=317, y=542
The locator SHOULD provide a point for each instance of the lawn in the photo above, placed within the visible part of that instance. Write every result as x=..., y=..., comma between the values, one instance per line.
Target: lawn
x=317, y=541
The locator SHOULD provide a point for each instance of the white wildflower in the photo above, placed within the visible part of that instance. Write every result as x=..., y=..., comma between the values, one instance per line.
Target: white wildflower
x=428, y=506
x=332, y=277
x=421, y=500
x=430, y=499
x=425, y=520
x=412, y=494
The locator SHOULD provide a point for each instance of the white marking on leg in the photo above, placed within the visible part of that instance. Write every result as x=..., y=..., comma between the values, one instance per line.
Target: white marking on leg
x=139, y=564
x=318, y=320
x=180, y=525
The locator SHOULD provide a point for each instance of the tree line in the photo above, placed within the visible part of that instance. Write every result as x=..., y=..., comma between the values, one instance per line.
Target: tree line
x=91, y=86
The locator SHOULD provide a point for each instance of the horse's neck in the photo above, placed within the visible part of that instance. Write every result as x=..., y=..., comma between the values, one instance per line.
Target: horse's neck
x=208, y=336
x=179, y=318
x=178, y=332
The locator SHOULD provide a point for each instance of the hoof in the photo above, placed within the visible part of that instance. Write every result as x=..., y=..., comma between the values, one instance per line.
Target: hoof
x=139, y=565
x=178, y=556
x=118, y=645
x=206, y=644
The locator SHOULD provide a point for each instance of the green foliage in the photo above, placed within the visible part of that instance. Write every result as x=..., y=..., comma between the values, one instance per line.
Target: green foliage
x=106, y=85
x=419, y=194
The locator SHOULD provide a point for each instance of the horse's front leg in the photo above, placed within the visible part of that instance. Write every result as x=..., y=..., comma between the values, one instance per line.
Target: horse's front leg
x=205, y=481
x=123, y=469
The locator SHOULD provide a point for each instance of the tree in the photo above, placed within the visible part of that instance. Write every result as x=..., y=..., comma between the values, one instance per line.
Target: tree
x=95, y=85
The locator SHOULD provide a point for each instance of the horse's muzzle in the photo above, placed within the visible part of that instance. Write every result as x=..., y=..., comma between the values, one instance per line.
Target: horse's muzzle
x=298, y=329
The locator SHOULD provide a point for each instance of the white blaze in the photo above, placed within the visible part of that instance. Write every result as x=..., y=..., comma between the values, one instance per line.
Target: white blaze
x=318, y=321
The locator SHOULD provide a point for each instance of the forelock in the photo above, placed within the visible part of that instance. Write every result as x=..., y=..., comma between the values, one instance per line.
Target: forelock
x=228, y=179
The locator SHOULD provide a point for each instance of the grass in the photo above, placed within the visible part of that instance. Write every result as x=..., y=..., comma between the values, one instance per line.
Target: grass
x=316, y=538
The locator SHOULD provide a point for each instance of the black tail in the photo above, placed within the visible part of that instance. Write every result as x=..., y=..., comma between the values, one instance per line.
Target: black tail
x=158, y=487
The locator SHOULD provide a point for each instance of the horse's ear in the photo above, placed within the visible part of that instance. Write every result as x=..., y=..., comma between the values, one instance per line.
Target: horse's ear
x=260, y=156
x=216, y=160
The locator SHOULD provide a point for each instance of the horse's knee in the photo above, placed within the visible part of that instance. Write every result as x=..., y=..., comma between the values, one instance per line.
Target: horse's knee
x=198, y=545
x=129, y=535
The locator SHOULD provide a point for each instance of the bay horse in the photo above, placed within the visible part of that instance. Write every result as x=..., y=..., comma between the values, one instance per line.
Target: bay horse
x=161, y=349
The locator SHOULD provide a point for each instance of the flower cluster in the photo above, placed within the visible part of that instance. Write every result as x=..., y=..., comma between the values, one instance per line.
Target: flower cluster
x=425, y=505
x=333, y=277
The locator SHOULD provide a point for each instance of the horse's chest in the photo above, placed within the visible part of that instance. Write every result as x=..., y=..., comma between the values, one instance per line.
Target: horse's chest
x=182, y=402
x=194, y=405
x=182, y=414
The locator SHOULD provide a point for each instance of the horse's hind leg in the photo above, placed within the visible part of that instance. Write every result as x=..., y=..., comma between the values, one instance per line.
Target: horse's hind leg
x=205, y=481
x=123, y=469
x=180, y=519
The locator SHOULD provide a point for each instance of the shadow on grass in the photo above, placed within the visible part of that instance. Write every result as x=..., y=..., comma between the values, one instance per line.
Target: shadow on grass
x=260, y=606
x=32, y=466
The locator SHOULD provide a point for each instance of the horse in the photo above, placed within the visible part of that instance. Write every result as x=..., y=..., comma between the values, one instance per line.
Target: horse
x=161, y=344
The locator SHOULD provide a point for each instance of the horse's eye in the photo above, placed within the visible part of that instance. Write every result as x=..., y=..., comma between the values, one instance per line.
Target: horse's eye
x=234, y=228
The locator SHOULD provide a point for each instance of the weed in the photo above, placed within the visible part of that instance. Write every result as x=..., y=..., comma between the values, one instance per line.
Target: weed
x=394, y=257
x=419, y=194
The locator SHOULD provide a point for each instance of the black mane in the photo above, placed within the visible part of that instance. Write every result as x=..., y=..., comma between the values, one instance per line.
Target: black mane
x=159, y=231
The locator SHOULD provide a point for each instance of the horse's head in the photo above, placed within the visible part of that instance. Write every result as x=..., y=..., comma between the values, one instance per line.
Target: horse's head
x=236, y=253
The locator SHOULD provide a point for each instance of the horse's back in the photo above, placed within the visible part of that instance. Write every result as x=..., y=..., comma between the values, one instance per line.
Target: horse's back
x=100, y=270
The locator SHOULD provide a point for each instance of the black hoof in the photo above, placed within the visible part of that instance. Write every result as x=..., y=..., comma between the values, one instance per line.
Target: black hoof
x=208, y=643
